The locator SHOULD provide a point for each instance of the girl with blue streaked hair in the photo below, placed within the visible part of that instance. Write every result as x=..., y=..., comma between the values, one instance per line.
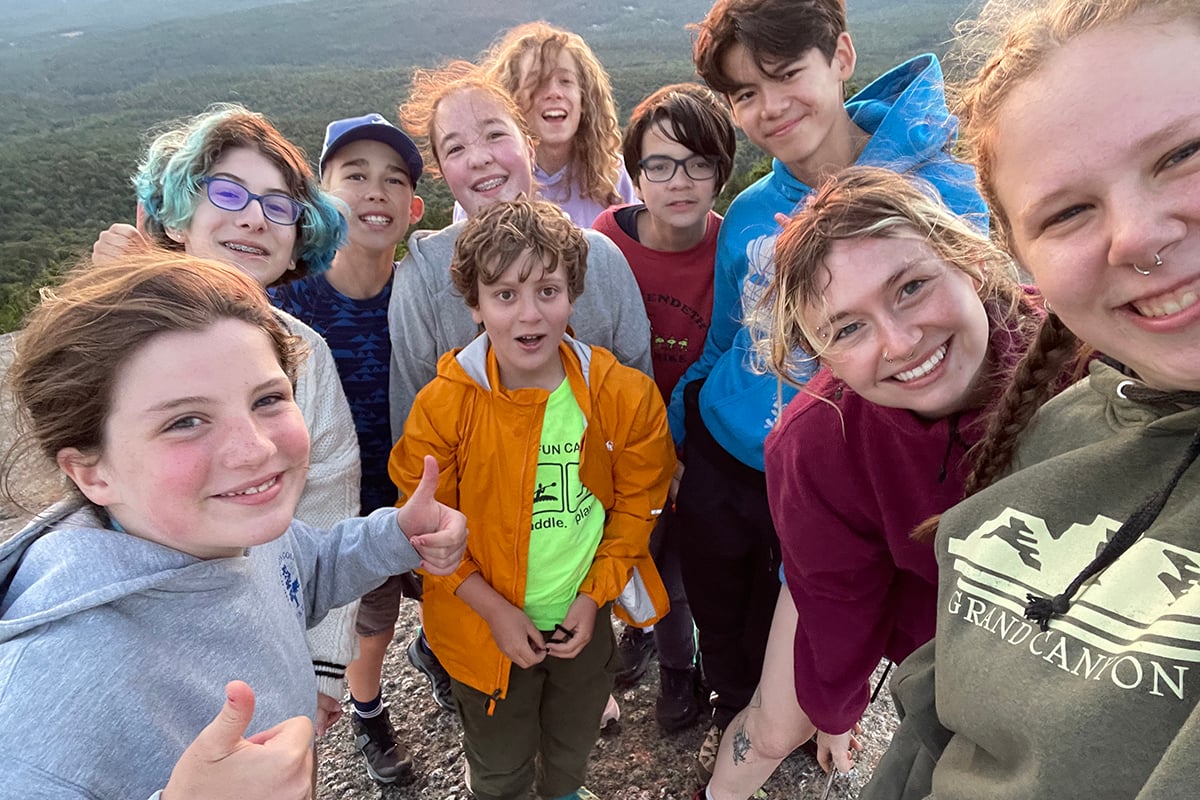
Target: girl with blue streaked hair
x=227, y=185
x=187, y=164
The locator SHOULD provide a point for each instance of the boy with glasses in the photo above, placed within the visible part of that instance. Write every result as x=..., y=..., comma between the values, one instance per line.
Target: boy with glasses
x=678, y=148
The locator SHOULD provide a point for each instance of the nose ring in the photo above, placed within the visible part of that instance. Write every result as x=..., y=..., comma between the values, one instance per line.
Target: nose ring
x=1158, y=262
x=890, y=360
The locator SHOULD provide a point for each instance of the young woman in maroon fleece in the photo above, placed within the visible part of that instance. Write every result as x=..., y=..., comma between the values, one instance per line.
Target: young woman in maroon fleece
x=917, y=320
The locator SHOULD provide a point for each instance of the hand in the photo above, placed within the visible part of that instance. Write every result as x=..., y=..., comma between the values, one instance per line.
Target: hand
x=329, y=711
x=437, y=532
x=581, y=621
x=118, y=241
x=782, y=219
x=837, y=751
x=675, y=479
x=516, y=635
x=221, y=765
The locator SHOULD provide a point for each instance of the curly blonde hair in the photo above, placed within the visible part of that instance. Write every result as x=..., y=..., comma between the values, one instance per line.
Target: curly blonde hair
x=860, y=203
x=429, y=87
x=594, y=163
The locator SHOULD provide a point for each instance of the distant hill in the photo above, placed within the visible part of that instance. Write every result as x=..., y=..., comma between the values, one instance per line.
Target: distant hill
x=83, y=81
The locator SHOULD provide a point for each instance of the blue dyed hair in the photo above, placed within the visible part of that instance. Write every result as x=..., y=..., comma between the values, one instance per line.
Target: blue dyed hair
x=169, y=189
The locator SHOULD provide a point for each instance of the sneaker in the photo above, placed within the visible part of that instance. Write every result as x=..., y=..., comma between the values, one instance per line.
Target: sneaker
x=610, y=720
x=636, y=647
x=584, y=793
x=706, y=759
x=677, y=706
x=426, y=662
x=387, y=759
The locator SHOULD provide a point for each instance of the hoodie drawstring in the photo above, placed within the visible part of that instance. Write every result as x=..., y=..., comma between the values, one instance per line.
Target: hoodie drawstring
x=1040, y=609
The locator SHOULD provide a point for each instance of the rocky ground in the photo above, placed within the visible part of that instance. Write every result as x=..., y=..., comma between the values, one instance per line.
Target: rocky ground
x=638, y=763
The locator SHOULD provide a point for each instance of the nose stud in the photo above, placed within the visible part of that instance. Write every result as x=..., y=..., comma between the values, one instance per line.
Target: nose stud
x=890, y=360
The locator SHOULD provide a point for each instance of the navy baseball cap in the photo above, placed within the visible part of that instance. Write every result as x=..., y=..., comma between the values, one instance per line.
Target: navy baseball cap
x=342, y=132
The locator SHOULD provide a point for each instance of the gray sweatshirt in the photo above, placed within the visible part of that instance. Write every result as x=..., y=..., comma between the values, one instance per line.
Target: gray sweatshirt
x=428, y=317
x=115, y=651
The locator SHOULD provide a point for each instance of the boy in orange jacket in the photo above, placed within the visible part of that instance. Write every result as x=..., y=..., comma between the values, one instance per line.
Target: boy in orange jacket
x=560, y=457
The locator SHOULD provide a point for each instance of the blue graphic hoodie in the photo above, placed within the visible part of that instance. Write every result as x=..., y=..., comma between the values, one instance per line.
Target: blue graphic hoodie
x=904, y=111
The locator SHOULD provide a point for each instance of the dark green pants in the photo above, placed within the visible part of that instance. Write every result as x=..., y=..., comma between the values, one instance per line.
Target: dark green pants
x=543, y=731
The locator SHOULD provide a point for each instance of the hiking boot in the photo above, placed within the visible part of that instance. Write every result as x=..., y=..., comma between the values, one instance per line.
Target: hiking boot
x=421, y=657
x=677, y=706
x=636, y=647
x=387, y=760
x=706, y=759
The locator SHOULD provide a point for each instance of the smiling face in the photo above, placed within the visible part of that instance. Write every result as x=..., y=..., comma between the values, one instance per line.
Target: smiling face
x=204, y=449
x=901, y=327
x=556, y=104
x=245, y=239
x=481, y=151
x=1089, y=200
x=372, y=179
x=680, y=206
x=796, y=112
x=525, y=321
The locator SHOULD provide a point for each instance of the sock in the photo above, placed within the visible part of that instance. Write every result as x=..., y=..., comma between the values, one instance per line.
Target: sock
x=369, y=709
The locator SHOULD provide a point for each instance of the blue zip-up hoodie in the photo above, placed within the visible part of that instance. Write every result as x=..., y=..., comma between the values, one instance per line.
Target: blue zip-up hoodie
x=904, y=111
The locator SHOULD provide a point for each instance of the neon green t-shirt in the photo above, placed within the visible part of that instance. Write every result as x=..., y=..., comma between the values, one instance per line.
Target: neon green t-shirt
x=568, y=520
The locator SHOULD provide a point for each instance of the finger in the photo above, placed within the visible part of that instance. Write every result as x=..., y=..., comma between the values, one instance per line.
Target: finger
x=227, y=729
x=427, y=488
x=293, y=735
x=782, y=219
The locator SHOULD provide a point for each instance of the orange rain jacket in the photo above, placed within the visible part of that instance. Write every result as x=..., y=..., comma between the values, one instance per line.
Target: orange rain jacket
x=486, y=440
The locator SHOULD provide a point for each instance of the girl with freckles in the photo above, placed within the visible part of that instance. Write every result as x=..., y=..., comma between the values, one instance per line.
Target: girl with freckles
x=160, y=388
x=916, y=320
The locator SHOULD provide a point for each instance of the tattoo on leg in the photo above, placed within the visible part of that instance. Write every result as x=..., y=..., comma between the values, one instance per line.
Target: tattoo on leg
x=741, y=745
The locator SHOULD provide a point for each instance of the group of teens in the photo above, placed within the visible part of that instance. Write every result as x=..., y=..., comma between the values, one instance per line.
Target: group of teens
x=831, y=429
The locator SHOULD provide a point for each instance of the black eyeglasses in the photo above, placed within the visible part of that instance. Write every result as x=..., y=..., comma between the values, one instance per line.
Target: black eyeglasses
x=660, y=169
x=232, y=196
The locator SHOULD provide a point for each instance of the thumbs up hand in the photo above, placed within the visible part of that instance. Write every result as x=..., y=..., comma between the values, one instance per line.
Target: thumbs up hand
x=436, y=531
x=220, y=764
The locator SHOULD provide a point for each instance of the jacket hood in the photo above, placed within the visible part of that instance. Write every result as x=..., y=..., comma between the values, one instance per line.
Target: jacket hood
x=904, y=111
x=65, y=562
x=477, y=366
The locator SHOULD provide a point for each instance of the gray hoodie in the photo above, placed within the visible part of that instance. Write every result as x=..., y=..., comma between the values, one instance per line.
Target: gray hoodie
x=428, y=317
x=115, y=651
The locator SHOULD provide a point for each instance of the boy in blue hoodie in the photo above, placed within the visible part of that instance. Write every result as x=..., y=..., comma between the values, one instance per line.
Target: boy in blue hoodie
x=782, y=66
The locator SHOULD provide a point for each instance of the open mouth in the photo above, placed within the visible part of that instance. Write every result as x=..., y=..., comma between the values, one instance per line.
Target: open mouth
x=489, y=184
x=380, y=220
x=530, y=341
x=924, y=368
x=554, y=115
x=260, y=488
x=237, y=247
x=1166, y=304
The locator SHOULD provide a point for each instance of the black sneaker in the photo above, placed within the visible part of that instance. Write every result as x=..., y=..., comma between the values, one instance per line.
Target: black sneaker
x=387, y=760
x=677, y=706
x=426, y=662
x=636, y=648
